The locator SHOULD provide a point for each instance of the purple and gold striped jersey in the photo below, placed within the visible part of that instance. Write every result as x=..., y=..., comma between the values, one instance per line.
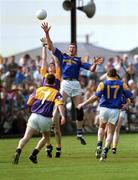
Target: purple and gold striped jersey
x=44, y=74
x=111, y=91
x=70, y=65
x=42, y=101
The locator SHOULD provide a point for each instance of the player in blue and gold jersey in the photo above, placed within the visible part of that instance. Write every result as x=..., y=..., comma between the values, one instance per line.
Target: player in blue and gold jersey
x=110, y=93
x=42, y=102
x=102, y=131
x=70, y=66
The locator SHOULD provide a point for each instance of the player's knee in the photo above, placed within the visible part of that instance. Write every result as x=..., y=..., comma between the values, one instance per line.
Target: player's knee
x=56, y=130
x=80, y=114
x=57, y=134
x=103, y=126
x=117, y=130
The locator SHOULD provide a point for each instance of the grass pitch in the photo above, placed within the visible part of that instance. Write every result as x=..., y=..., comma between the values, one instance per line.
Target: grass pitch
x=76, y=163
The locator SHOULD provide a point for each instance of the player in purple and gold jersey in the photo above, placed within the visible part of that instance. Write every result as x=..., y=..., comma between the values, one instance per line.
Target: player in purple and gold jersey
x=70, y=66
x=52, y=68
x=42, y=102
x=110, y=93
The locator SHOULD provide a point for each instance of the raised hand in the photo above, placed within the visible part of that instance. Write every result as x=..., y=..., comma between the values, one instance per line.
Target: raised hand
x=98, y=60
x=44, y=40
x=45, y=27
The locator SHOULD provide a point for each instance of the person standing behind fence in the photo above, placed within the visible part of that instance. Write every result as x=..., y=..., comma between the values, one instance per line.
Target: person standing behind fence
x=70, y=86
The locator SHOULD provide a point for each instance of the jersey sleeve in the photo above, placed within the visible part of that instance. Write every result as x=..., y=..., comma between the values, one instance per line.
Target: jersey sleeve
x=43, y=71
x=31, y=99
x=58, y=73
x=126, y=91
x=100, y=89
x=58, y=54
x=85, y=65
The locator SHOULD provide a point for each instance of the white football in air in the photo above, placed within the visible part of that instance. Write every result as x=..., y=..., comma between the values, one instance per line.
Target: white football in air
x=41, y=14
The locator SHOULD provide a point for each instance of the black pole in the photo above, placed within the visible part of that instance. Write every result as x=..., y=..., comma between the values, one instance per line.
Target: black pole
x=73, y=40
x=73, y=22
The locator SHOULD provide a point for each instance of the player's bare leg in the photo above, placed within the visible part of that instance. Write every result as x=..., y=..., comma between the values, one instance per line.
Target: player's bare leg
x=116, y=136
x=57, y=132
x=100, y=137
x=45, y=139
x=108, y=141
x=28, y=134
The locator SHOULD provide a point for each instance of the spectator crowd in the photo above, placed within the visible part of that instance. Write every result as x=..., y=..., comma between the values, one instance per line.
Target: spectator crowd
x=19, y=79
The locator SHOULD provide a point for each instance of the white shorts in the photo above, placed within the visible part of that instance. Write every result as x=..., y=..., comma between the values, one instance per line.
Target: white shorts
x=123, y=116
x=108, y=115
x=39, y=122
x=71, y=88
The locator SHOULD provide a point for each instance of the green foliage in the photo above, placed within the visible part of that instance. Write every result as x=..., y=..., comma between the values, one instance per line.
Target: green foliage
x=76, y=163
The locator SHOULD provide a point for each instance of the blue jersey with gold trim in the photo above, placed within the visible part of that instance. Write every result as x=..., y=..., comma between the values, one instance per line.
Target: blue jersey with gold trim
x=42, y=101
x=110, y=93
x=70, y=65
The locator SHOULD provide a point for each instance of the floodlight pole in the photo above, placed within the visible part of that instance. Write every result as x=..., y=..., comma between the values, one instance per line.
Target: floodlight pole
x=73, y=40
x=73, y=22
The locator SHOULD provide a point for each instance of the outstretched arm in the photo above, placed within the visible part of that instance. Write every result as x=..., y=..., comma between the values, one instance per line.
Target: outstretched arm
x=96, y=61
x=92, y=99
x=44, y=54
x=46, y=29
x=56, y=61
x=44, y=64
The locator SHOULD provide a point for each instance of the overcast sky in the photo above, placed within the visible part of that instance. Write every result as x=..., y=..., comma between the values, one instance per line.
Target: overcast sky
x=114, y=26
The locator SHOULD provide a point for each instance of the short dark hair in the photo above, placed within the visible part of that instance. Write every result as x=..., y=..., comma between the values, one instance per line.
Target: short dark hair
x=51, y=63
x=118, y=76
x=74, y=44
x=112, y=73
x=50, y=79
